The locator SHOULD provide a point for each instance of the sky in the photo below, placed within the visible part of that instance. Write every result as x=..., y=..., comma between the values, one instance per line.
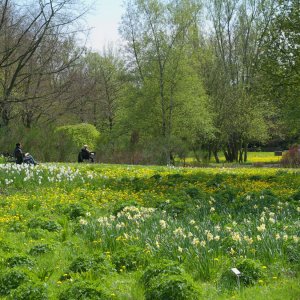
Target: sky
x=104, y=19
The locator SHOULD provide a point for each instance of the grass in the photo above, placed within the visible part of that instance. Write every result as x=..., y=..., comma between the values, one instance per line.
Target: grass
x=253, y=158
x=97, y=228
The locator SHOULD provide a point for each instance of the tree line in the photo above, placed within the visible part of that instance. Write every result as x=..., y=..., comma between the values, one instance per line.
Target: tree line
x=190, y=76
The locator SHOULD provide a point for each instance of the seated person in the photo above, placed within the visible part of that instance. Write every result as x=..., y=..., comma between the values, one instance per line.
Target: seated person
x=85, y=154
x=21, y=157
x=28, y=159
x=18, y=154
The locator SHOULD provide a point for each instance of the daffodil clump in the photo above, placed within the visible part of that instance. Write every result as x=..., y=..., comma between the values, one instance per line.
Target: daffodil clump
x=101, y=228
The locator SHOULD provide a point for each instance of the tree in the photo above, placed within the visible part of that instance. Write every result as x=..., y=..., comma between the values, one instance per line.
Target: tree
x=280, y=65
x=30, y=36
x=239, y=29
x=156, y=33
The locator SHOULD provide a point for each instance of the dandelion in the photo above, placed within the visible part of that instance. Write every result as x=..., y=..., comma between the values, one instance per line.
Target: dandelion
x=217, y=238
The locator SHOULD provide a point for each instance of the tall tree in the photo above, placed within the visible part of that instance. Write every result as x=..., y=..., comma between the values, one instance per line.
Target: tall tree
x=26, y=30
x=239, y=29
x=157, y=34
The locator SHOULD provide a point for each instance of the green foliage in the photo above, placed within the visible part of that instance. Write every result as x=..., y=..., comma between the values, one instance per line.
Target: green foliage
x=74, y=211
x=171, y=287
x=129, y=258
x=14, y=261
x=166, y=267
x=251, y=272
x=39, y=249
x=30, y=291
x=98, y=264
x=44, y=224
x=83, y=290
x=72, y=138
x=10, y=280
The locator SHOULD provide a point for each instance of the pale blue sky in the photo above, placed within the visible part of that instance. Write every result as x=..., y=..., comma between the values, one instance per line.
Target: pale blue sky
x=104, y=17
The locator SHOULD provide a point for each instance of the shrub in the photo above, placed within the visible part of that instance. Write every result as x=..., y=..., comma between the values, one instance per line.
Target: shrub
x=74, y=211
x=129, y=259
x=39, y=249
x=81, y=264
x=171, y=287
x=163, y=267
x=30, y=292
x=11, y=280
x=291, y=158
x=83, y=290
x=72, y=137
x=14, y=261
x=84, y=264
x=251, y=272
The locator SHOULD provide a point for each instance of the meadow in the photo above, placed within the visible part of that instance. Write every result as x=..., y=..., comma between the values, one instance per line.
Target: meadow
x=70, y=231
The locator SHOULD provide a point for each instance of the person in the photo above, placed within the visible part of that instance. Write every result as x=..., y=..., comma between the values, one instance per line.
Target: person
x=21, y=157
x=28, y=159
x=85, y=154
x=18, y=154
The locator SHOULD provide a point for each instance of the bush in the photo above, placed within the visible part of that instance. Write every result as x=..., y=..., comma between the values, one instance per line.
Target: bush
x=11, y=280
x=74, y=211
x=83, y=290
x=72, y=137
x=291, y=158
x=44, y=224
x=30, y=292
x=251, y=272
x=129, y=259
x=39, y=249
x=171, y=287
x=163, y=267
x=14, y=261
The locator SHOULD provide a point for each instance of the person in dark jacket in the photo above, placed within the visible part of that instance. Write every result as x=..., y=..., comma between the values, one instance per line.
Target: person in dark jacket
x=85, y=154
x=18, y=154
x=23, y=158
